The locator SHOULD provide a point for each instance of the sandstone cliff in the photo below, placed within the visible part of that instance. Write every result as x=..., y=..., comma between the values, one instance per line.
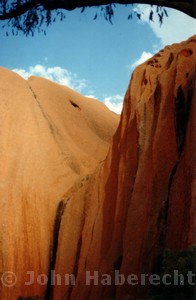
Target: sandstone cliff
x=50, y=136
x=140, y=199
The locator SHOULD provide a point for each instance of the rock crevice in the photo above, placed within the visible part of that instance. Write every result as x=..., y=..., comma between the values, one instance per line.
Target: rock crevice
x=138, y=199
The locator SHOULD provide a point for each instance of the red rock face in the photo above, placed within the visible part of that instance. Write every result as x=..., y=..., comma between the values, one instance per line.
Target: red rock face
x=161, y=210
x=140, y=199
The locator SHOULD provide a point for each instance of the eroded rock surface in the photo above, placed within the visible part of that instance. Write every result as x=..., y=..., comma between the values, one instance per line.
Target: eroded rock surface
x=139, y=200
x=142, y=198
x=50, y=136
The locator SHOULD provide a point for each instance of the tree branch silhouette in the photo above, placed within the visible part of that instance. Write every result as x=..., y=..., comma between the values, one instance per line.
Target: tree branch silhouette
x=27, y=15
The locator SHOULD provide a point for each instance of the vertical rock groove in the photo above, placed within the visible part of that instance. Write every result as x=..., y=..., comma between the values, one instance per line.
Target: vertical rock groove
x=181, y=114
x=56, y=229
x=42, y=110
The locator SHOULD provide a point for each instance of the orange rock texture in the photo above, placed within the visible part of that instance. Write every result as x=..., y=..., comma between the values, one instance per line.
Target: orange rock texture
x=50, y=136
x=142, y=198
x=67, y=209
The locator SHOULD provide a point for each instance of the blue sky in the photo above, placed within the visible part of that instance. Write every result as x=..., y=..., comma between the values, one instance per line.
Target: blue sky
x=94, y=57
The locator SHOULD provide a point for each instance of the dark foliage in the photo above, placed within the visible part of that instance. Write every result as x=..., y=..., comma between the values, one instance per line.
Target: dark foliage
x=29, y=16
x=176, y=264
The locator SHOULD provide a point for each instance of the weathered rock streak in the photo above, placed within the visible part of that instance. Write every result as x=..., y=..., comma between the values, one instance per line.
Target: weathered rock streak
x=67, y=207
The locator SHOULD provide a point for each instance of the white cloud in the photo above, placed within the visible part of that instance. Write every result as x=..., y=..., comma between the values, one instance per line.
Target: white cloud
x=65, y=77
x=91, y=96
x=144, y=56
x=56, y=74
x=175, y=28
x=23, y=73
x=114, y=103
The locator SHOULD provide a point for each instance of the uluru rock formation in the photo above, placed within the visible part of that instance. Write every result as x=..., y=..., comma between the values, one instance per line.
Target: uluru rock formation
x=50, y=137
x=67, y=207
